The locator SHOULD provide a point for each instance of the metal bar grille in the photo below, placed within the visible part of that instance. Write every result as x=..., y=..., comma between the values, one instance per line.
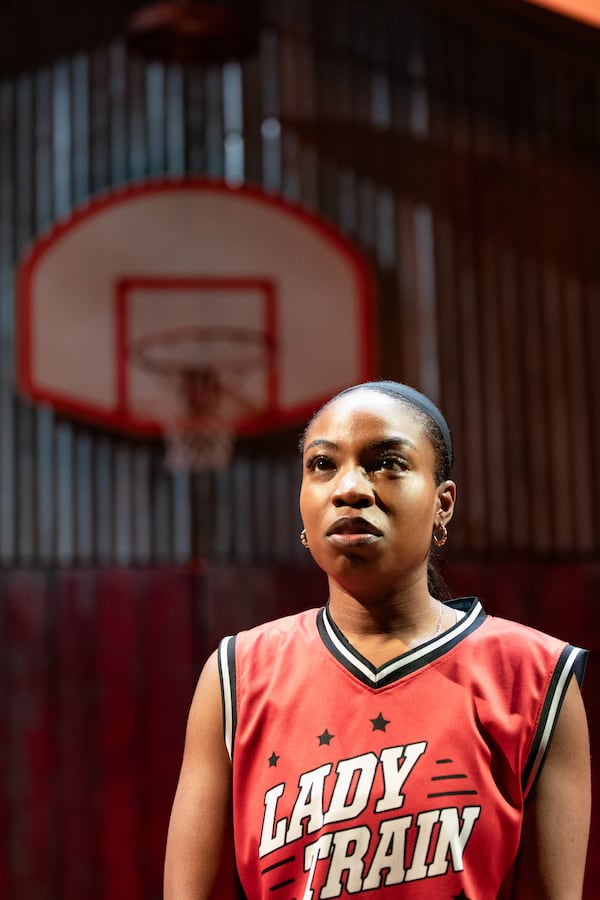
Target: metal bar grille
x=458, y=155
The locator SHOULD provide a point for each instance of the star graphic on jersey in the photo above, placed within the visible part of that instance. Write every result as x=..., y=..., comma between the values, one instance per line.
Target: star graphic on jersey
x=325, y=738
x=273, y=760
x=461, y=896
x=380, y=724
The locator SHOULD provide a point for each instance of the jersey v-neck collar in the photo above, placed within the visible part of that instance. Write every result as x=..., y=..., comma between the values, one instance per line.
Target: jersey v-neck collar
x=407, y=663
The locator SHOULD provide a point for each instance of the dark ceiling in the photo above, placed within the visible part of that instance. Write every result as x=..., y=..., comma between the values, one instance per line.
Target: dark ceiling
x=36, y=32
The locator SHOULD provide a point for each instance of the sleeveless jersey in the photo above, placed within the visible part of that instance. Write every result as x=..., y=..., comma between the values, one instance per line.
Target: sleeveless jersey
x=406, y=781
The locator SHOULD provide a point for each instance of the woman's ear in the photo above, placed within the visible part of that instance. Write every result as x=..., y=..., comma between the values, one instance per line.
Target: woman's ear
x=446, y=494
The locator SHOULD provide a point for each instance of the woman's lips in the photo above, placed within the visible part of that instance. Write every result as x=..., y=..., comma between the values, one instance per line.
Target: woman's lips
x=353, y=538
x=353, y=531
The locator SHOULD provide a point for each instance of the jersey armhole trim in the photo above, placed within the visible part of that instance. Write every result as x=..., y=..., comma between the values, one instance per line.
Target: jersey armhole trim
x=571, y=662
x=227, y=676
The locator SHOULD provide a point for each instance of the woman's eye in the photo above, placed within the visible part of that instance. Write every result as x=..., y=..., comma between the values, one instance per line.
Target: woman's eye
x=392, y=464
x=319, y=464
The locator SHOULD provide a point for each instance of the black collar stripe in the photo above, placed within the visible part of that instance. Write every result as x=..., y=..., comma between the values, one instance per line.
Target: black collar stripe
x=343, y=651
x=409, y=662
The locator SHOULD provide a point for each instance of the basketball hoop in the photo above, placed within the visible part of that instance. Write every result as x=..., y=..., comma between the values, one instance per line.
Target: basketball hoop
x=204, y=374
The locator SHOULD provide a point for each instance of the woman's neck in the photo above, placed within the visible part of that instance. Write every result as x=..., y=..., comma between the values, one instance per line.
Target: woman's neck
x=383, y=628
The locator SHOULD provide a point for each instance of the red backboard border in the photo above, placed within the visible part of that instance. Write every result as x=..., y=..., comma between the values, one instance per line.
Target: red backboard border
x=116, y=419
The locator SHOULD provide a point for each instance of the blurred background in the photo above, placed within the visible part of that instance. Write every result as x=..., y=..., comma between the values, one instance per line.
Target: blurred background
x=456, y=148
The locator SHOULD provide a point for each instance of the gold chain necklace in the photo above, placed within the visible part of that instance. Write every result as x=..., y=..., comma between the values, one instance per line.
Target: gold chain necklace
x=439, y=623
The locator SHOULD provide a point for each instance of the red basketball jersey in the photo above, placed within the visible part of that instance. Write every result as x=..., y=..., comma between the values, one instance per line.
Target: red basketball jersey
x=405, y=781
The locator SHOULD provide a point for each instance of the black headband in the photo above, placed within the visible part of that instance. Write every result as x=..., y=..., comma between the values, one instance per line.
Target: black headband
x=404, y=392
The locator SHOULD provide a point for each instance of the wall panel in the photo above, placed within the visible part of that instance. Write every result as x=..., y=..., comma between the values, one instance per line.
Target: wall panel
x=456, y=152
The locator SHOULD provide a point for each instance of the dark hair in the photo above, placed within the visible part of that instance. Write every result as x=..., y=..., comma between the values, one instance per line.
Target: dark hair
x=435, y=427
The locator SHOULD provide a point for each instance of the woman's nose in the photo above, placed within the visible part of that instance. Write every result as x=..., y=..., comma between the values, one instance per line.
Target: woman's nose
x=353, y=488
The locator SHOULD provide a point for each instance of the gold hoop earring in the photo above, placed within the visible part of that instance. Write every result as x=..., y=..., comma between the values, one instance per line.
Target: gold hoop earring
x=440, y=535
x=303, y=538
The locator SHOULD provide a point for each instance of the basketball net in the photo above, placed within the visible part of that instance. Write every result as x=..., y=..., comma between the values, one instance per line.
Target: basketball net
x=202, y=375
x=198, y=431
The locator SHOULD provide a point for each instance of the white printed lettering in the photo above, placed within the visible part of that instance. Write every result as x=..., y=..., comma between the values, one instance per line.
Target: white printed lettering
x=308, y=807
x=352, y=789
x=272, y=837
x=348, y=853
x=312, y=853
x=396, y=773
x=452, y=839
x=425, y=824
x=389, y=854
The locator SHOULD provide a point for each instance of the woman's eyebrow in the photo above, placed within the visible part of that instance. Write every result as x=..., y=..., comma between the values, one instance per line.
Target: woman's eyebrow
x=383, y=444
x=322, y=442
x=390, y=443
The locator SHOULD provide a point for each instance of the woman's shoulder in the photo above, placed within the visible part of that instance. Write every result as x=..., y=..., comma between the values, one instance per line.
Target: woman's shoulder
x=522, y=645
x=520, y=635
x=276, y=630
x=498, y=628
x=267, y=652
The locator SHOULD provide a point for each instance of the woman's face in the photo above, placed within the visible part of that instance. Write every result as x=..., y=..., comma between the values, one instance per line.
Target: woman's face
x=369, y=500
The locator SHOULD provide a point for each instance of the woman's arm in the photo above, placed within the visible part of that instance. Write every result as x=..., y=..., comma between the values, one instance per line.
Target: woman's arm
x=557, y=820
x=199, y=862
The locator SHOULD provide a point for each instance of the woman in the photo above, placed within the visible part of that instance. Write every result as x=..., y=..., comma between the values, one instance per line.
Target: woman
x=390, y=744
